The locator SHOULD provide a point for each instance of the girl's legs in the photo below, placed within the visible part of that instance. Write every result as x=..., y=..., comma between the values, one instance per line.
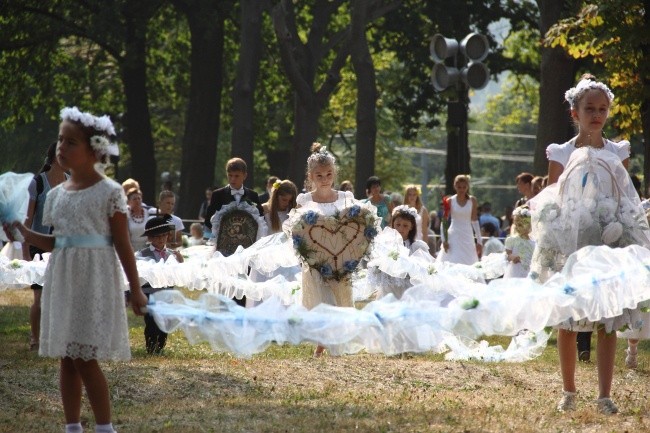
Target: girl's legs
x=630, y=358
x=605, y=353
x=70, y=386
x=97, y=389
x=566, y=347
x=74, y=372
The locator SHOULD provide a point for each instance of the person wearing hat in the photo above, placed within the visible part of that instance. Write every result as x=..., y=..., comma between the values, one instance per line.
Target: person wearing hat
x=157, y=232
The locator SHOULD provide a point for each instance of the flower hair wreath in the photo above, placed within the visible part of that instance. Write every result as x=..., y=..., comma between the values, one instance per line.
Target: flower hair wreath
x=521, y=212
x=401, y=209
x=585, y=84
x=99, y=143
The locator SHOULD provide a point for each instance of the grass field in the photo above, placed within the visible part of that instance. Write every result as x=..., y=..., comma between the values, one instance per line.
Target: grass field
x=192, y=389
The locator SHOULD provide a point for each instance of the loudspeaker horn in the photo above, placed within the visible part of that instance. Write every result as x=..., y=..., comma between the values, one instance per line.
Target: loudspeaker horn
x=475, y=47
x=441, y=48
x=476, y=75
x=443, y=76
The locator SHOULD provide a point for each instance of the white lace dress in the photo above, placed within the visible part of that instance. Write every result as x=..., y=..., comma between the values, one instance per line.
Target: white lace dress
x=314, y=289
x=83, y=314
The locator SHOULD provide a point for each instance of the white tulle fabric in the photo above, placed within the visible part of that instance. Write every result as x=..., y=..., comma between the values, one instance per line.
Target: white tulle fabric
x=83, y=314
x=447, y=313
x=593, y=203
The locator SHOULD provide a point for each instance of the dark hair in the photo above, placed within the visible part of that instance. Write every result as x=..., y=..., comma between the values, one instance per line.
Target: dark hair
x=372, y=181
x=50, y=156
x=400, y=213
x=490, y=229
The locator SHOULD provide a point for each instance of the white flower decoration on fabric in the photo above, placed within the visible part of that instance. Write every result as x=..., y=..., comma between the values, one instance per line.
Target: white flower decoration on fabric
x=612, y=233
x=574, y=93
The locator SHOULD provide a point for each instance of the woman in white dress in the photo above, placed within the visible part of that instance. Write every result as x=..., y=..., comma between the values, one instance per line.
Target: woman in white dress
x=461, y=243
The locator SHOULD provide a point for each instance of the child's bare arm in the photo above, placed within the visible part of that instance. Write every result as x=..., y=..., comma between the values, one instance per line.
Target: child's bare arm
x=119, y=230
x=39, y=240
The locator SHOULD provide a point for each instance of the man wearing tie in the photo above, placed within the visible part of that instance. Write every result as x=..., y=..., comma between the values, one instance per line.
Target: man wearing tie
x=234, y=191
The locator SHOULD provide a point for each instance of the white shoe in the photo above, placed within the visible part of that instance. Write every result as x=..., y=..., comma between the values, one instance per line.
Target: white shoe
x=567, y=402
x=630, y=359
x=606, y=406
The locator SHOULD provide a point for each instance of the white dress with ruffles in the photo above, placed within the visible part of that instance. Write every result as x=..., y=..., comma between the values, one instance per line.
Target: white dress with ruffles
x=593, y=203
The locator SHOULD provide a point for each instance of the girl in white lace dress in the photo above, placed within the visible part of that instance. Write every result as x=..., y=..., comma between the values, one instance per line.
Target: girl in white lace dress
x=83, y=318
x=589, y=201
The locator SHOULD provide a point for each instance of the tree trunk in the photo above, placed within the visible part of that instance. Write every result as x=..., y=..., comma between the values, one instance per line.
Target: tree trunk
x=250, y=53
x=364, y=70
x=206, y=22
x=306, y=114
x=557, y=75
x=645, y=104
x=137, y=119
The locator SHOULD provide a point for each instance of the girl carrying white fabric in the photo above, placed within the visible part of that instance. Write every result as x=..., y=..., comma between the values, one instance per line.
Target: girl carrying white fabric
x=590, y=201
x=83, y=318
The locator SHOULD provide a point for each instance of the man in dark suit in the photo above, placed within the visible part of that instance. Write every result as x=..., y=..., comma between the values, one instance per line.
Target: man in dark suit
x=234, y=191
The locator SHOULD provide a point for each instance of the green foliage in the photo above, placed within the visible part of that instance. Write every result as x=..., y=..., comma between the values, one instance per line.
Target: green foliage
x=611, y=33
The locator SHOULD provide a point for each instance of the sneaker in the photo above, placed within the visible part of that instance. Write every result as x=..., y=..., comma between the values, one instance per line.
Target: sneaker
x=567, y=402
x=606, y=406
x=584, y=356
x=630, y=359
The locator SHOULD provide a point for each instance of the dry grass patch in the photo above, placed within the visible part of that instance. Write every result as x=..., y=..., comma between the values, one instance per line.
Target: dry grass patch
x=191, y=389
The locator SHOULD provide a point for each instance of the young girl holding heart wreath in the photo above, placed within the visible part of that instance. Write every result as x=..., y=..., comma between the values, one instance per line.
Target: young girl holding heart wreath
x=331, y=232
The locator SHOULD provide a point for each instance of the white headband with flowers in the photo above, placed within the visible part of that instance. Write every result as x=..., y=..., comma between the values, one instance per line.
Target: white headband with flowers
x=405, y=209
x=521, y=212
x=574, y=93
x=99, y=143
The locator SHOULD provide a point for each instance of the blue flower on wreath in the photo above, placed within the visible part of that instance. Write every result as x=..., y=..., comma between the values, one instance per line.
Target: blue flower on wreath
x=370, y=232
x=297, y=241
x=326, y=271
x=350, y=265
x=310, y=217
x=354, y=211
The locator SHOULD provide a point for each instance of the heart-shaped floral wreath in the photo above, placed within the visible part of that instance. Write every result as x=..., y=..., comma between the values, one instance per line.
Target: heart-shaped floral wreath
x=334, y=245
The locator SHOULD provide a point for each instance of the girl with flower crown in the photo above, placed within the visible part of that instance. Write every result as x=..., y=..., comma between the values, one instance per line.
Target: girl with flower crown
x=403, y=221
x=590, y=200
x=83, y=319
x=519, y=246
x=323, y=200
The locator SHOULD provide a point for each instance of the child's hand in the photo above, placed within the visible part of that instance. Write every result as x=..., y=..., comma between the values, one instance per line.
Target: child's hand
x=445, y=246
x=14, y=231
x=138, y=302
x=514, y=259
